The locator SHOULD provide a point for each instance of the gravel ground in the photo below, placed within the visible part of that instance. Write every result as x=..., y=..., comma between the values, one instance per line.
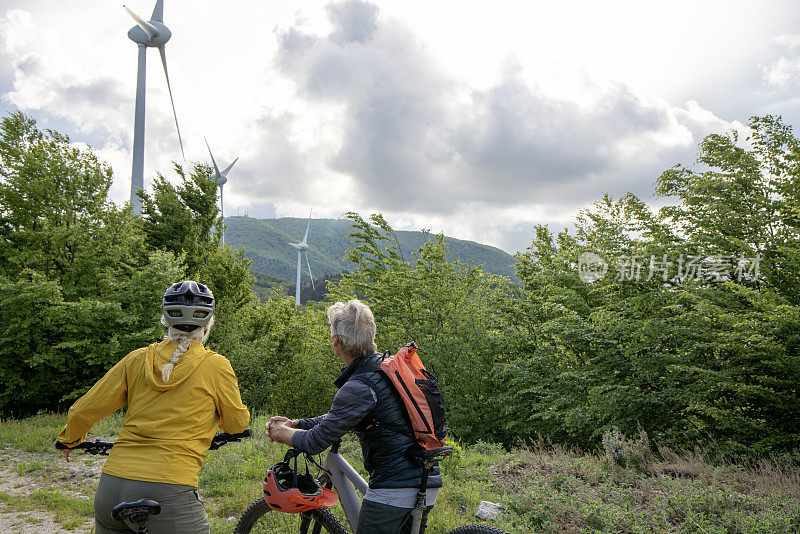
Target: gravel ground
x=22, y=473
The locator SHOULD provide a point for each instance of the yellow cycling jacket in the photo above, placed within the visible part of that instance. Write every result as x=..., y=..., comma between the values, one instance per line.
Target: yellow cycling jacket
x=168, y=426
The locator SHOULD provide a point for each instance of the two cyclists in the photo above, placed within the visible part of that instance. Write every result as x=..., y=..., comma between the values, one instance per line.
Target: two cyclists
x=178, y=394
x=368, y=404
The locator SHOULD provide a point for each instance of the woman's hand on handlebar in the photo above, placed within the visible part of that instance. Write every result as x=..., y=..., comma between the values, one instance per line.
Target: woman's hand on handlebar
x=62, y=449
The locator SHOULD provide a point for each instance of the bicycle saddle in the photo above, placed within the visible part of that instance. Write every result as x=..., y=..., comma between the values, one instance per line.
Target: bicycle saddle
x=137, y=511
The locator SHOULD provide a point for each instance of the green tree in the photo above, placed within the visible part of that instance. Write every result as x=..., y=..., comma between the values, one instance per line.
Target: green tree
x=78, y=287
x=690, y=360
x=282, y=356
x=450, y=309
x=744, y=201
x=185, y=220
x=51, y=196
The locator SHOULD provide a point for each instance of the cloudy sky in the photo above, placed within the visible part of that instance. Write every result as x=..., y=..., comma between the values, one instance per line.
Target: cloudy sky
x=477, y=119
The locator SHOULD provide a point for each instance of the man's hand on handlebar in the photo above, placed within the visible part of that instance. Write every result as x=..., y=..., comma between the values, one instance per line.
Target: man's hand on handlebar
x=280, y=429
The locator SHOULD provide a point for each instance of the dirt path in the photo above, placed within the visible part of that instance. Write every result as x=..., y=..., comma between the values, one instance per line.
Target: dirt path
x=35, y=523
x=24, y=474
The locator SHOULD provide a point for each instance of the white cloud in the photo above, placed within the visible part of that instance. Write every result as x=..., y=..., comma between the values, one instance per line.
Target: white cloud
x=782, y=70
x=783, y=73
x=44, y=81
x=479, y=124
x=405, y=136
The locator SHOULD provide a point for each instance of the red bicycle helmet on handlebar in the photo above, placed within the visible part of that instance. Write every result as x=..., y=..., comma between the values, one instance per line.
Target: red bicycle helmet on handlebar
x=286, y=490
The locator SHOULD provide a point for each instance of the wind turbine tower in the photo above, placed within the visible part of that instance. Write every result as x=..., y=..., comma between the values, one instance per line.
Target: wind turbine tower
x=147, y=34
x=222, y=178
x=302, y=247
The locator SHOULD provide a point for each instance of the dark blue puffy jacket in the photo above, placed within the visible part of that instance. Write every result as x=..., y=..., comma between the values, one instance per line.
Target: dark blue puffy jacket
x=385, y=434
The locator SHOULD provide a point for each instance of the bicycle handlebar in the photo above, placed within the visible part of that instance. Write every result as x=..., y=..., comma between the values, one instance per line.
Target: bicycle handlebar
x=102, y=447
x=222, y=438
x=92, y=447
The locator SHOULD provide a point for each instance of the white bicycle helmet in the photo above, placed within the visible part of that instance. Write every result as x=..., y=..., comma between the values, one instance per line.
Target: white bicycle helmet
x=187, y=305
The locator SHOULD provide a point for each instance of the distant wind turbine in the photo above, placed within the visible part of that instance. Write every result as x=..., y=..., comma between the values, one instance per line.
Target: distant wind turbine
x=302, y=247
x=222, y=178
x=147, y=34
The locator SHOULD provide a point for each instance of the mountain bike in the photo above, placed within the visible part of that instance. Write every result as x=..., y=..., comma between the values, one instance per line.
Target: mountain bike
x=337, y=473
x=138, y=513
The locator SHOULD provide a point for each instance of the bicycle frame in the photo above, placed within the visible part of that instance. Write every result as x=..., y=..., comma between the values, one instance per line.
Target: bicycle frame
x=346, y=481
x=337, y=473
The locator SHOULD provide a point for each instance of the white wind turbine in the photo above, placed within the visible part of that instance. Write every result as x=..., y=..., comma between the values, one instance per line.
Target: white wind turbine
x=147, y=34
x=222, y=179
x=301, y=247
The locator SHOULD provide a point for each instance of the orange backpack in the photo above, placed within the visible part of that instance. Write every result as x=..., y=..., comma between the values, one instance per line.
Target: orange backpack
x=421, y=395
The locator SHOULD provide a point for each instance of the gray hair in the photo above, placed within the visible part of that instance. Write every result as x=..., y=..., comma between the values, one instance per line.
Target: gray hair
x=184, y=339
x=353, y=323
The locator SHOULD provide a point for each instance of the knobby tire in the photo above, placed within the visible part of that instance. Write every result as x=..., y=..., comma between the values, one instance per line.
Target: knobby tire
x=321, y=520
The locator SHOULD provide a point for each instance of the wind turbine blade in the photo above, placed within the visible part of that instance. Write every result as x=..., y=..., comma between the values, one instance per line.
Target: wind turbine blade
x=164, y=62
x=148, y=28
x=216, y=169
x=230, y=166
x=309, y=272
x=307, y=225
x=158, y=11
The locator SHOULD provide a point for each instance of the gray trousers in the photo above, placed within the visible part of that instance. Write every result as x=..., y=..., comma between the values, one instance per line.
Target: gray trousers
x=181, y=509
x=377, y=518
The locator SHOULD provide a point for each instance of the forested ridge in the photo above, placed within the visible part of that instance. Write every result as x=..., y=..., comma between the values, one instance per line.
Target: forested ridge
x=687, y=331
x=265, y=242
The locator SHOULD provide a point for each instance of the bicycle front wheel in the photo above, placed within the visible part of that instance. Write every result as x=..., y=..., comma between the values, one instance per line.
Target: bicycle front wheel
x=259, y=518
x=476, y=529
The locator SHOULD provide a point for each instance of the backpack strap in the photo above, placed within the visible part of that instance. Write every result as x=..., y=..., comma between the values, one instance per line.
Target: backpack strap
x=370, y=422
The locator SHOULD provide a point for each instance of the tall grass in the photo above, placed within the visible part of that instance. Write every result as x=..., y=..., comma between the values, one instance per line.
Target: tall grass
x=544, y=487
x=38, y=433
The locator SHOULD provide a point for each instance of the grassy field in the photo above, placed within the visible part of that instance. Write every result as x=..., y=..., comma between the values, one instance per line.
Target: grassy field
x=623, y=488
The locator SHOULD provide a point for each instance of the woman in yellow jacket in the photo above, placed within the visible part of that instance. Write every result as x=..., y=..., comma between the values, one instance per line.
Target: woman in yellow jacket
x=178, y=393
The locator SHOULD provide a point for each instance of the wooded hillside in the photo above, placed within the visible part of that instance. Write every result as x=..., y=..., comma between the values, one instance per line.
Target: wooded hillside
x=265, y=242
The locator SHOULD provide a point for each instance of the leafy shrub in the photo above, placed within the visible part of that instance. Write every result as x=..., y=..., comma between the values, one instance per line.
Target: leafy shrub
x=626, y=452
x=281, y=355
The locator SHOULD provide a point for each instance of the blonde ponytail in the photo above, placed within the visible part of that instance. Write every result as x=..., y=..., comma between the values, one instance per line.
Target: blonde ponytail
x=184, y=340
x=183, y=346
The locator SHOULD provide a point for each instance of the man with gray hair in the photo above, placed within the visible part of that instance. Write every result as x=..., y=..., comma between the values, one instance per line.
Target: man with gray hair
x=368, y=404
